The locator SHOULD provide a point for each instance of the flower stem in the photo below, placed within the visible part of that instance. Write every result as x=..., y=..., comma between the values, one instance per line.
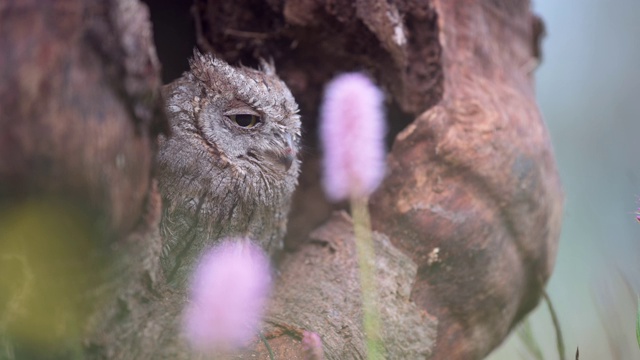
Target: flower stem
x=366, y=262
x=556, y=325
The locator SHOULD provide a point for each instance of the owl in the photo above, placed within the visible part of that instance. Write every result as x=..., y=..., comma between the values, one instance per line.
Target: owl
x=230, y=165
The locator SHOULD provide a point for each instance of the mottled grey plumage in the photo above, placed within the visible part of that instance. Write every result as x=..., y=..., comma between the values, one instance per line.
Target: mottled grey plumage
x=218, y=178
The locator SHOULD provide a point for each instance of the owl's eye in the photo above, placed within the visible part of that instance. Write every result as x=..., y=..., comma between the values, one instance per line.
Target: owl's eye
x=245, y=120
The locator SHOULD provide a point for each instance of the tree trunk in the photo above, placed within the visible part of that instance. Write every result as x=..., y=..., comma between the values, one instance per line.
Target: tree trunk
x=468, y=217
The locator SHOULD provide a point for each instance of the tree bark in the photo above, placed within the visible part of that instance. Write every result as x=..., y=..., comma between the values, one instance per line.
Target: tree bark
x=80, y=112
x=468, y=217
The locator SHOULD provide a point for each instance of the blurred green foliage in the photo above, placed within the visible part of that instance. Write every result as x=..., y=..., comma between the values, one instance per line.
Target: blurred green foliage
x=49, y=265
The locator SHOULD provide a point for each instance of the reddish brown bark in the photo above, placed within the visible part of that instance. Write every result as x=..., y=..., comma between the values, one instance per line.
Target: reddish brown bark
x=472, y=194
x=474, y=177
x=80, y=110
x=79, y=92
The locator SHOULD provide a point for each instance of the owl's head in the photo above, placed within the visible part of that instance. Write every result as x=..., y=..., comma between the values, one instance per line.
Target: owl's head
x=240, y=121
x=246, y=116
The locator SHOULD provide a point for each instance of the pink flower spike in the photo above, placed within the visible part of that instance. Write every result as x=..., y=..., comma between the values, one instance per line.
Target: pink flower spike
x=228, y=294
x=312, y=346
x=352, y=131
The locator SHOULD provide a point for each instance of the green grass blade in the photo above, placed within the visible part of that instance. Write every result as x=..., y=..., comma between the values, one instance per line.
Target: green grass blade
x=528, y=339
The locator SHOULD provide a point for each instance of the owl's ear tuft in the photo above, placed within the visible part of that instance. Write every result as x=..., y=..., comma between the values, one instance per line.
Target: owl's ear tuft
x=199, y=65
x=213, y=72
x=268, y=67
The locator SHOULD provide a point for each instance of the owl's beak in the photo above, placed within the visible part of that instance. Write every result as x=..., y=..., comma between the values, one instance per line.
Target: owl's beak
x=289, y=154
x=287, y=161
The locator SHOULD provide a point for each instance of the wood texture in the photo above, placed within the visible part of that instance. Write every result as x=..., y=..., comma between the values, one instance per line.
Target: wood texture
x=79, y=92
x=472, y=194
x=80, y=110
x=474, y=179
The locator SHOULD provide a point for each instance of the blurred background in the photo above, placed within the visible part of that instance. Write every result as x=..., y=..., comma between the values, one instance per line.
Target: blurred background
x=588, y=88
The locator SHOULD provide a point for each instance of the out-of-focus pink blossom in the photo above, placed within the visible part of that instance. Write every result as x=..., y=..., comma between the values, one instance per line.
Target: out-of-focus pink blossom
x=352, y=131
x=228, y=293
x=312, y=346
